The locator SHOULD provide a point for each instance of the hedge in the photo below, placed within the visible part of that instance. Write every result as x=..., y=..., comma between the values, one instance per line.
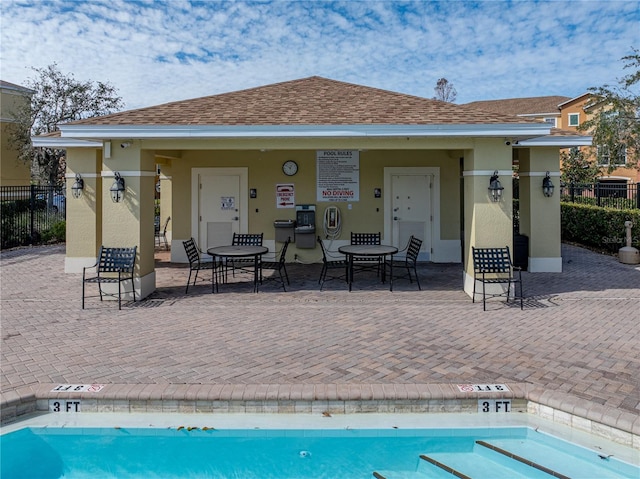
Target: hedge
x=597, y=227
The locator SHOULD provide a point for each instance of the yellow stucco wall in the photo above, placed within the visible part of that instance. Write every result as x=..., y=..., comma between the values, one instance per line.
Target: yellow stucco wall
x=265, y=172
x=12, y=171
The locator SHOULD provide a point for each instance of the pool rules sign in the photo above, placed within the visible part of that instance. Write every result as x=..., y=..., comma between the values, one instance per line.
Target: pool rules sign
x=338, y=175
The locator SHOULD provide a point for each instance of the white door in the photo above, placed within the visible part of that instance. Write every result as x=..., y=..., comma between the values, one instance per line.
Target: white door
x=219, y=209
x=411, y=211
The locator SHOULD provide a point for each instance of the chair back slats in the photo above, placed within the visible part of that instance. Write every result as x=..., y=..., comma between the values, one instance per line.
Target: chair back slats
x=492, y=260
x=247, y=239
x=366, y=238
x=191, y=249
x=413, y=249
x=116, y=260
x=283, y=253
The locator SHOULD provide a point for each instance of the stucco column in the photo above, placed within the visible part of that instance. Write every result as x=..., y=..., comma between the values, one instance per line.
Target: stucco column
x=84, y=214
x=539, y=215
x=486, y=223
x=130, y=222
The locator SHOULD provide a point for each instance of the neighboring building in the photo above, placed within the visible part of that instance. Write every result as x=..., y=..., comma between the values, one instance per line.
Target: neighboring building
x=12, y=171
x=391, y=163
x=576, y=111
x=564, y=113
x=542, y=108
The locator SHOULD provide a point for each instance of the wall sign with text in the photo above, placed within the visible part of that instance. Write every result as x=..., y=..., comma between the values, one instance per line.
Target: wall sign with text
x=338, y=175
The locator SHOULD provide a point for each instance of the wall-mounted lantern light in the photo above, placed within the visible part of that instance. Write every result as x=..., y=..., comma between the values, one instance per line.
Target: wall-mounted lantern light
x=495, y=188
x=77, y=187
x=117, y=189
x=547, y=186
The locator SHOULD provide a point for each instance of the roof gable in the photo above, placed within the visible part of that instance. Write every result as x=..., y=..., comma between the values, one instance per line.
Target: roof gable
x=308, y=101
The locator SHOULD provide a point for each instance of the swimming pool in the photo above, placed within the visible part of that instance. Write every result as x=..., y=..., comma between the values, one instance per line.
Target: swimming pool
x=208, y=452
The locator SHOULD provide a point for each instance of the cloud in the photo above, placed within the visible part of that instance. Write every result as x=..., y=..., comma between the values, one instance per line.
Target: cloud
x=160, y=51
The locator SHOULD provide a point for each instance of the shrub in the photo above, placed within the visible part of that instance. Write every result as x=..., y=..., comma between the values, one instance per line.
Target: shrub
x=597, y=227
x=56, y=233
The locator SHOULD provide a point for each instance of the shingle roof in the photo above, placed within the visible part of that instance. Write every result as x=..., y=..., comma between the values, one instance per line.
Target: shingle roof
x=308, y=101
x=522, y=106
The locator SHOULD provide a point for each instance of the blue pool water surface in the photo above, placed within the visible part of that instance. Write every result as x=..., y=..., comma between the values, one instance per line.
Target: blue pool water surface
x=136, y=453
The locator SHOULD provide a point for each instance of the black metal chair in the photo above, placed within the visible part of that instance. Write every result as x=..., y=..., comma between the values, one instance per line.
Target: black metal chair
x=250, y=239
x=493, y=266
x=279, y=266
x=364, y=262
x=410, y=261
x=161, y=234
x=330, y=265
x=114, y=265
x=196, y=264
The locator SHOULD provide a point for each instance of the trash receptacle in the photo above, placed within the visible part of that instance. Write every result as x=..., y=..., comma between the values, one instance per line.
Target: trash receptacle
x=284, y=229
x=521, y=251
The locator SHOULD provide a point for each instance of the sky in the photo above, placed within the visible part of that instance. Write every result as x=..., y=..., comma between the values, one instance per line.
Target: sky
x=157, y=51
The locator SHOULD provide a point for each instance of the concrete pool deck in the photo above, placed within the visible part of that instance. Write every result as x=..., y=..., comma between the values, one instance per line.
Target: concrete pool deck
x=572, y=355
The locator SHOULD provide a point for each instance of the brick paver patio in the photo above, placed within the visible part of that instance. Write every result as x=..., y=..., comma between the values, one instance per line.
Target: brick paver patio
x=579, y=333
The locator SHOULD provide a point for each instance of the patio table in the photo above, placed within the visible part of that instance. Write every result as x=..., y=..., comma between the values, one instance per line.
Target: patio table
x=379, y=250
x=240, y=251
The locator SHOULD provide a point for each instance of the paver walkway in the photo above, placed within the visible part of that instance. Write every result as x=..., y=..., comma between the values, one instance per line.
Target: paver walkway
x=579, y=332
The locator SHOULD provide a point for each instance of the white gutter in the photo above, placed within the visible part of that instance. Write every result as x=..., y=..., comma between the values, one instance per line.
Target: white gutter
x=558, y=141
x=302, y=131
x=62, y=143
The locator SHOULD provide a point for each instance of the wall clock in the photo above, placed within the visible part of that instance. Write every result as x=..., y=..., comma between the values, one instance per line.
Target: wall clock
x=290, y=167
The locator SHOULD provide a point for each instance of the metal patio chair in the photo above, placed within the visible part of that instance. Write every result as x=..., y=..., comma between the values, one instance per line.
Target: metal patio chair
x=161, y=234
x=246, y=265
x=493, y=266
x=279, y=266
x=113, y=266
x=196, y=264
x=363, y=263
x=330, y=265
x=409, y=262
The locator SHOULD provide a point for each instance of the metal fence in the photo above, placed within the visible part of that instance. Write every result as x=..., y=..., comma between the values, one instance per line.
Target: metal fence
x=610, y=195
x=30, y=215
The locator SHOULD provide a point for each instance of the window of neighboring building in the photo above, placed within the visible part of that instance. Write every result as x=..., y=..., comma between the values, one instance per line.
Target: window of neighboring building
x=552, y=121
x=605, y=158
x=574, y=119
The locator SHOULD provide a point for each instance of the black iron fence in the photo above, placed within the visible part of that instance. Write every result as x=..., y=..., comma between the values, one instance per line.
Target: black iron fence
x=610, y=195
x=31, y=215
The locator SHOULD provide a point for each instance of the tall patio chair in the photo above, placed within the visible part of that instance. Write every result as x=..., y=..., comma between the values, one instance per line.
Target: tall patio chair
x=161, y=234
x=251, y=239
x=493, y=266
x=330, y=265
x=409, y=262
x=113, y=266
x=367, y=262
x=196, y=264
x=279, y=266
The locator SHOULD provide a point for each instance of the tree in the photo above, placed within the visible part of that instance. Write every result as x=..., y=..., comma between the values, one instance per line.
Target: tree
x=445, y=91
x=615, y=124
x=57, y=98
x=576, y=169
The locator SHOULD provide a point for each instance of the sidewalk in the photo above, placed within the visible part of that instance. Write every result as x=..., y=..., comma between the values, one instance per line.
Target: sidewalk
x=577, y=342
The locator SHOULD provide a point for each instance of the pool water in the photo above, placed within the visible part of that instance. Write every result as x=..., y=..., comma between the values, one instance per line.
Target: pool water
x=136, y=453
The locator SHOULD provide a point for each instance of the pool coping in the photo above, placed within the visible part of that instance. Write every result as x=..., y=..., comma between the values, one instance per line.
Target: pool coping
x=618, y=426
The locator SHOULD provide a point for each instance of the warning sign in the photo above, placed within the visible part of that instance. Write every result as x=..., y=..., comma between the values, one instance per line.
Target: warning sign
x=285, y=196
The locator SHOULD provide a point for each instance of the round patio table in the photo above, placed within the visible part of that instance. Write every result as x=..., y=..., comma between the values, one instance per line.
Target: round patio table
x=239, y=251
x=379, y=250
